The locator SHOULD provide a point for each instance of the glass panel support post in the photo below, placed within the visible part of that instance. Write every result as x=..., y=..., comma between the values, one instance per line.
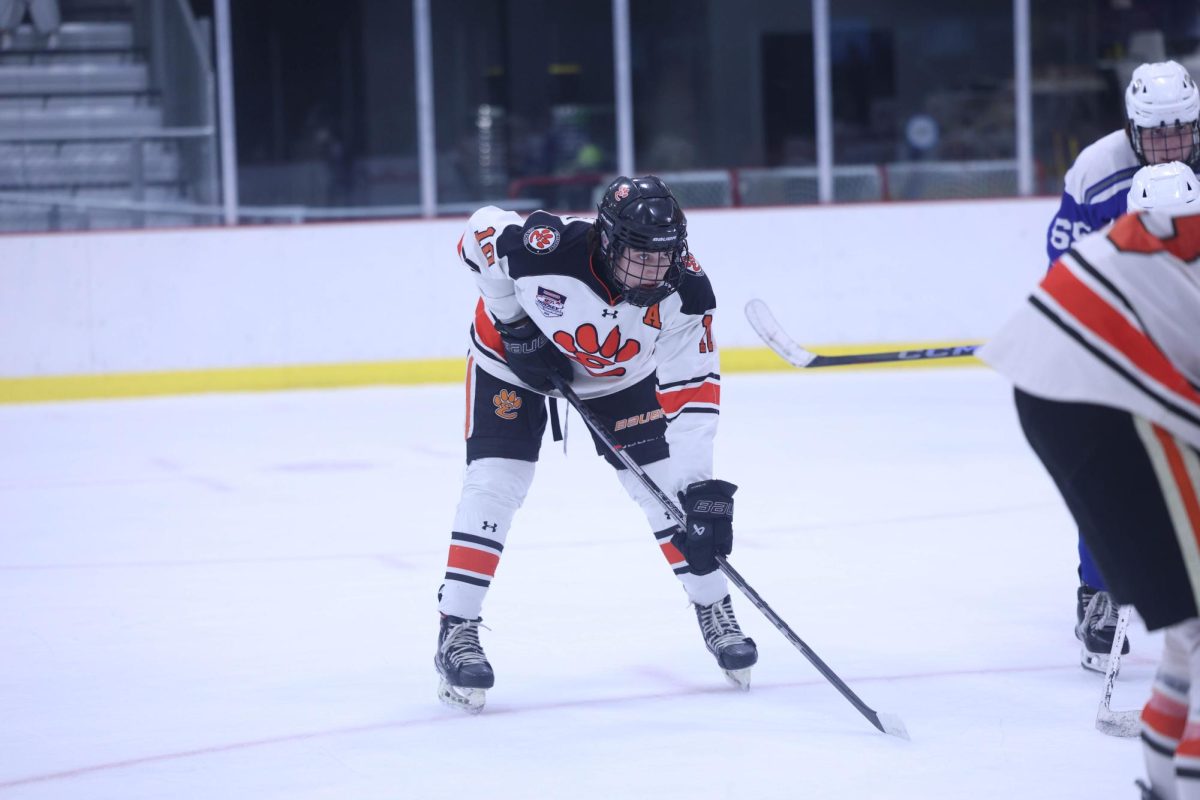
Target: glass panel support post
x=1022, y=97
x=623, y=77
x=227, y=122
x=426, y=144
x=823, y=76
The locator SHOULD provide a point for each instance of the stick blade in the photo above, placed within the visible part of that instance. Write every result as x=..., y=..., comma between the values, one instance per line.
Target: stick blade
x=763, y=321
x=1124, y=724
x=892, y=725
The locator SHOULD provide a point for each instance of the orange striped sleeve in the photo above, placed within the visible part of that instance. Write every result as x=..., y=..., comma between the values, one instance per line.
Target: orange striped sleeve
x=485, y=329
x=1098, y=316
x=675, y=399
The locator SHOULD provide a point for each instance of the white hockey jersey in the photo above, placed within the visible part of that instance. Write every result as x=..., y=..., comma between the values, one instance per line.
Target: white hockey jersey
x=545, y=267
x=1116, y=322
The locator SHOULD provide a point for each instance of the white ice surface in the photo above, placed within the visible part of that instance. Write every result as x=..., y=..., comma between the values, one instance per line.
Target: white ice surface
x=232, y=596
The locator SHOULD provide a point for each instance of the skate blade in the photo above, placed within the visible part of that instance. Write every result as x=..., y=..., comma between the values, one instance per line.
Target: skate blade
x=739, y=678
x=462, y=698
x=1095, y=662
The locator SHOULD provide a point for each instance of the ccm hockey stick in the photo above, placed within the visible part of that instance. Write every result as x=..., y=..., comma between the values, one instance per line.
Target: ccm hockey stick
x=764, y=324
x=887, y=723
x=1126, y=724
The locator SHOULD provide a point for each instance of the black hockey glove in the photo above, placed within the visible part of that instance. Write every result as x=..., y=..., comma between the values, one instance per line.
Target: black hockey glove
x=708, y=508
x=531, y=356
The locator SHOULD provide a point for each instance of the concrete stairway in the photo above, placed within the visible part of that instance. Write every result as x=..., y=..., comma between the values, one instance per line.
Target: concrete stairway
x=77, y=121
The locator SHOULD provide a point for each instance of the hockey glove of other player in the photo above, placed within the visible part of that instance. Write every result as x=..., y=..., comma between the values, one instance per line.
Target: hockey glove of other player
x=531, y=356
x=708, y=508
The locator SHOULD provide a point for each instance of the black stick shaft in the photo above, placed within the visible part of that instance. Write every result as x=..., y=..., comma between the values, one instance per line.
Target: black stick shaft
x=957, y=351
x=735, y=578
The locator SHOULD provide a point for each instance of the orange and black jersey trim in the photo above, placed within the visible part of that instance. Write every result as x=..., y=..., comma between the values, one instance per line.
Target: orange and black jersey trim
x=1110, y=329
x=699, y=395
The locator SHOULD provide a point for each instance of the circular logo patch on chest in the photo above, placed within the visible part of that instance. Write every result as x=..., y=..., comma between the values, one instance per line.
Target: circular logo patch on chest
x=540, y=241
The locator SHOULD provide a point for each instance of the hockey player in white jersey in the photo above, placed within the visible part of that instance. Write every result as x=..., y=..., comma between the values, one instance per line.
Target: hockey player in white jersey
x=619, y=307
x=1162, y=109
x=1165, y=186
x=1105, y=358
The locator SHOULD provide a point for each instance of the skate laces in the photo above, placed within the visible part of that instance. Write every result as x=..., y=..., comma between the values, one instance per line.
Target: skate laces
x=461, y=645
x=1101, y=612
x=718, y=624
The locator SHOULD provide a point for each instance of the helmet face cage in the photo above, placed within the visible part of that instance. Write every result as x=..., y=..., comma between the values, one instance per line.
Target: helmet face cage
x=641, y=215
x=1162, y=109
x=1166, y=143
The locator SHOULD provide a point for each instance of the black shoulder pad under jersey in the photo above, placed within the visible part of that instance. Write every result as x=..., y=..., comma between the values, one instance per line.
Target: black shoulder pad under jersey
x=548, y=245
x=696, y=293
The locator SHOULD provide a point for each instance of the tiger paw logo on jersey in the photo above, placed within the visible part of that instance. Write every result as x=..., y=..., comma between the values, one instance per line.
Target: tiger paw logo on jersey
x=542, y=240
x=507, y=403
x=600, y=359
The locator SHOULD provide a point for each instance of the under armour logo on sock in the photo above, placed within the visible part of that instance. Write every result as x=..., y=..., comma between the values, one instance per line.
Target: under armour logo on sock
x=489, y=526
x=605, y=312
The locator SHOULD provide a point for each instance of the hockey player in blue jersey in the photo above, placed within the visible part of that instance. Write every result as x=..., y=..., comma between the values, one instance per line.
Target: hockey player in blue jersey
x=1162, y=109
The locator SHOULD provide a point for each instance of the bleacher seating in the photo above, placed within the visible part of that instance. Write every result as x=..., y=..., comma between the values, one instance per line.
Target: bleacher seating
x=78, y=120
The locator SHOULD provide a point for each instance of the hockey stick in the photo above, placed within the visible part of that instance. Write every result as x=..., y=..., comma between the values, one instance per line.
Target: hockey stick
x=887, y=723
x=764, y=324
x=1126, y=724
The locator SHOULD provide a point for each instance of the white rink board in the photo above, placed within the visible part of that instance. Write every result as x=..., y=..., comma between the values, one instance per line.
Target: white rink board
x=97, y=303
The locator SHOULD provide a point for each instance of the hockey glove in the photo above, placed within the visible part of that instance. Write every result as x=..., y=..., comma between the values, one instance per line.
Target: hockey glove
x=708, y=509
x=531, y=356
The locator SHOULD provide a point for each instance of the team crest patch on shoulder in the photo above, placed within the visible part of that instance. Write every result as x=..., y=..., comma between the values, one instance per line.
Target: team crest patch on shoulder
x=550, y=302
x=692, y=265
x=542, y=240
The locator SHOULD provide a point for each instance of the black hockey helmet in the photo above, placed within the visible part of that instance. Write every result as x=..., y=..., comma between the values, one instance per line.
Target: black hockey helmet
x=643, y=239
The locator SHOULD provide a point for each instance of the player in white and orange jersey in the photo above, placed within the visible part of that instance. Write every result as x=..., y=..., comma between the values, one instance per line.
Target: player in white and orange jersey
x=621, y=309
x=1162, y=124
x=1106, y=362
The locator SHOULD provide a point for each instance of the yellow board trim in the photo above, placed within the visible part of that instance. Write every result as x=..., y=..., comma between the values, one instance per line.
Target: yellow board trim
x=53, y=388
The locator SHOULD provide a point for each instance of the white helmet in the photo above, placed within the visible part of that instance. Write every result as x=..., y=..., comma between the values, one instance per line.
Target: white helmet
x=1162, y=98
x=1165, y=187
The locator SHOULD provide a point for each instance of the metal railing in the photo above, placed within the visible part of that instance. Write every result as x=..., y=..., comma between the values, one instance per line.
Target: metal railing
x=777, y=186
x=64, y=212
x=181, y=71
x=767, y=186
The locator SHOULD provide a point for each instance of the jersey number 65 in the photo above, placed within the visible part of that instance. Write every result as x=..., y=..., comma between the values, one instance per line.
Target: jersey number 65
x=1063, y=232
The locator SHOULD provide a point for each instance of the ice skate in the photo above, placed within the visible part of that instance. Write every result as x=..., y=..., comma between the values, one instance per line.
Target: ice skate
x=1097, y=623
x=735, y=652
x=1146, y=792
x=466, y=673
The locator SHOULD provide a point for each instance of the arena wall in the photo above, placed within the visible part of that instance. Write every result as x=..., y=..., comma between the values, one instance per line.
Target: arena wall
x=384, y=301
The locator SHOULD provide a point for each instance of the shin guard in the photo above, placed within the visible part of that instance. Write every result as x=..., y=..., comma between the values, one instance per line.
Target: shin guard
x=702, y=589
x=493, y=489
